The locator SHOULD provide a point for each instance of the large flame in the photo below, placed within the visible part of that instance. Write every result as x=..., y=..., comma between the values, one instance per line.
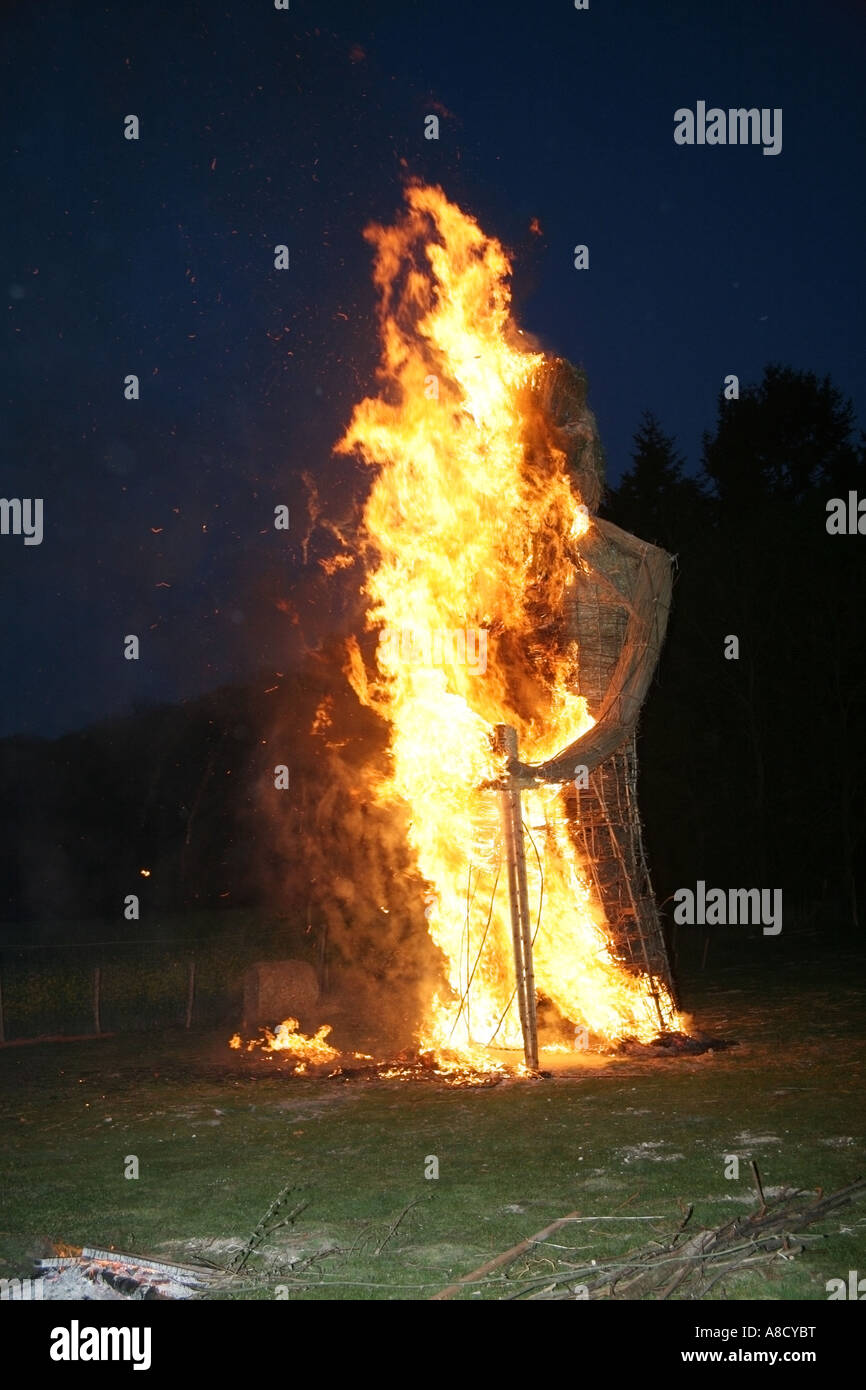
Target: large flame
x=471, y=531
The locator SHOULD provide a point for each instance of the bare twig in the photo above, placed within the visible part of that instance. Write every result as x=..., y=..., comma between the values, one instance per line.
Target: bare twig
x=239, y=1260
x=381, y=1246
x=758, y=1185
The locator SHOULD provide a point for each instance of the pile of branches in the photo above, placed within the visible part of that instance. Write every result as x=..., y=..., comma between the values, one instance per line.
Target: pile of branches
x=686, y=1266
x=689, y=1266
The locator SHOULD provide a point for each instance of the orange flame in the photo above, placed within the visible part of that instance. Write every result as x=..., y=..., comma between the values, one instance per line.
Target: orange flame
x=287, y=1039
x=471, y=538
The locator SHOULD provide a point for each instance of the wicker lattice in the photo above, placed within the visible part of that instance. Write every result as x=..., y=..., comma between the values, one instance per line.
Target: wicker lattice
x=617, y=610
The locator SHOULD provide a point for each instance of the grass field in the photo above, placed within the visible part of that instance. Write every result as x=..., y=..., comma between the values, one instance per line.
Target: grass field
x=216, y=1141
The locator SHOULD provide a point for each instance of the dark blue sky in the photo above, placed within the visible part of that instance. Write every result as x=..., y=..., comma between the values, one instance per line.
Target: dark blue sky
x=259, y=127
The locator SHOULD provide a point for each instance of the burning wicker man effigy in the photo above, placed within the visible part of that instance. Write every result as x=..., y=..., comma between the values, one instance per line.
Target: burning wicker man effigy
x=512, y=777
x=481, y=516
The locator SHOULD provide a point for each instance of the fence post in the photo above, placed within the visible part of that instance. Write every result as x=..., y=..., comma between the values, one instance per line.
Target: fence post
x=190, y=993
x=97, y=974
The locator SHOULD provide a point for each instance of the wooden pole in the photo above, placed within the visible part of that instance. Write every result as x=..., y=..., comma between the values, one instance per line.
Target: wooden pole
x=97, y=973
x=518, y=892
x=2, y=1025
x=190, y=994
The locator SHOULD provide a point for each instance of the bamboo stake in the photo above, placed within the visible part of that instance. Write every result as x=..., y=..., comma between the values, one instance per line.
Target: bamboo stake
x=506, y=1258
x=531, y=1035
x=513, y=902
x=518, y=897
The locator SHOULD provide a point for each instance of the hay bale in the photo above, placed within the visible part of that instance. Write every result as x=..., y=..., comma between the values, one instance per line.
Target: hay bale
x=278, y=989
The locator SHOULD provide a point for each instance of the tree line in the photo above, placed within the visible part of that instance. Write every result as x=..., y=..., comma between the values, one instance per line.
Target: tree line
x=753, y=767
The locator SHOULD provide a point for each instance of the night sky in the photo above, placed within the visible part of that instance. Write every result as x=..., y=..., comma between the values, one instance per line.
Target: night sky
x=261, y=127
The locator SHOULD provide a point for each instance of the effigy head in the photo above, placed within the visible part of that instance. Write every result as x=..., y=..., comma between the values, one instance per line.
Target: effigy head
x=560, y=392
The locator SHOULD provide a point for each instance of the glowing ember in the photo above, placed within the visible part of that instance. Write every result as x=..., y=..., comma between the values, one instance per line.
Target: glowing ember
x=472, y=536
x=288, y=1040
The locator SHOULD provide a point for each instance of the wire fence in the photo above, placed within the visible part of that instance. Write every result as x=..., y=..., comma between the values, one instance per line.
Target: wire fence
x=99, y=987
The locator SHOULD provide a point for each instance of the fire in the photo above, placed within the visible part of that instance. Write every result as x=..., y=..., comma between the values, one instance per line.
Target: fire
x=471, y=536
x=288, y=1040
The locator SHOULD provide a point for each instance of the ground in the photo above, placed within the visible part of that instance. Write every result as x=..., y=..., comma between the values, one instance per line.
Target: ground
x=630, y=1144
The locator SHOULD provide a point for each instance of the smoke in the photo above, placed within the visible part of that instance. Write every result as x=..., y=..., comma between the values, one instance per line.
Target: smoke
x=344, y=866
x=371, y=896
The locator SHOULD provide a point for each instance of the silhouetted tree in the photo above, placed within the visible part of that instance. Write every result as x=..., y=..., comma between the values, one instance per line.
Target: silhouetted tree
x=784, y=439
x=655, y=500
x=752, y=768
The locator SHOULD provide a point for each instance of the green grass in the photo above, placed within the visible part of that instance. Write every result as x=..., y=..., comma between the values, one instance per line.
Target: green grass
x=216, y=1141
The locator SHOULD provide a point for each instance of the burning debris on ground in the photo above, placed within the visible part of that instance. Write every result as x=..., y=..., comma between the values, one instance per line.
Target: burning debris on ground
x=293, y=1054
x=93, y=1275
x=288, y=1042
x=428, y=1065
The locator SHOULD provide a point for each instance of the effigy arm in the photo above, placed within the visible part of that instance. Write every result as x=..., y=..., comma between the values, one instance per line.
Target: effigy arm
x=648, y=606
